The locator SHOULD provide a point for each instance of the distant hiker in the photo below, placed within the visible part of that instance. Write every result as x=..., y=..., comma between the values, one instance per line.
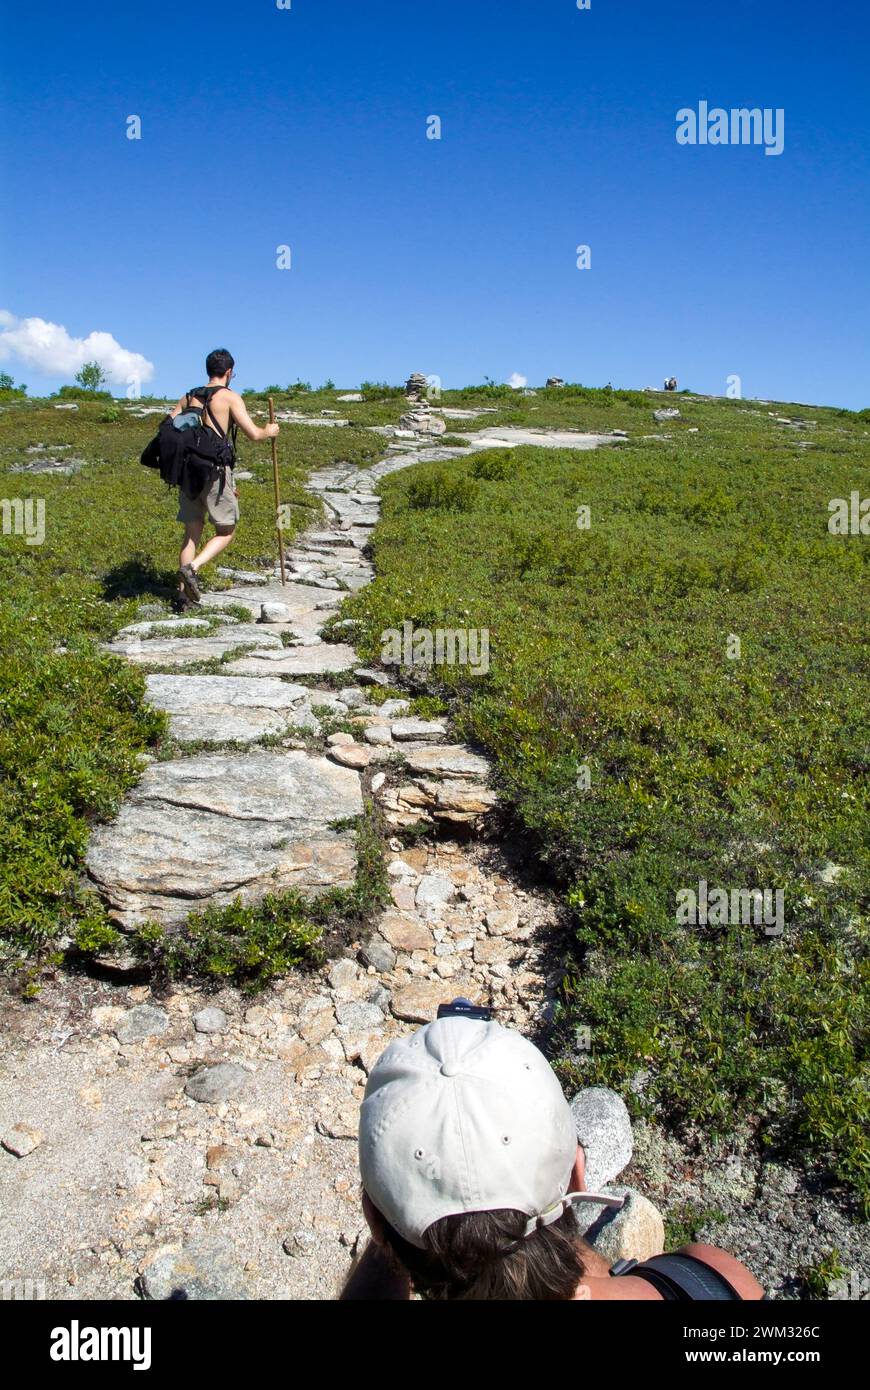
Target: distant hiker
x=470, y=1166
x=204, y=474
x=671, y=383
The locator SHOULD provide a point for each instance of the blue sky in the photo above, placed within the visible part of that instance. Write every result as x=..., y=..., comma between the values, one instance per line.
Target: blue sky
x=307, y=127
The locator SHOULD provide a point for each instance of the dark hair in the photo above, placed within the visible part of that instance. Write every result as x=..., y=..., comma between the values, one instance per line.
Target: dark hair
x=219, y=362
x=481, y=1255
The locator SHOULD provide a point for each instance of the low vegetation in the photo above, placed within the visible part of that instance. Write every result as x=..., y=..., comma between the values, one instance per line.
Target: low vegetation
x=677, y=693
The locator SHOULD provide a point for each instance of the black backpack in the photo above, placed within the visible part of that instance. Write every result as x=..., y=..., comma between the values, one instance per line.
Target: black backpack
x=187, y=453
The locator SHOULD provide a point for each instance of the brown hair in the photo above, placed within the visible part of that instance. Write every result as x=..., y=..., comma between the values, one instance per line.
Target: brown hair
x=482, y=1255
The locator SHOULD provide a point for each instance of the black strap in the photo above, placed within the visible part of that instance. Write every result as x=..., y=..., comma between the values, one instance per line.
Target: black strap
x=213, y=417
x=206, y=394
x=684, y=1278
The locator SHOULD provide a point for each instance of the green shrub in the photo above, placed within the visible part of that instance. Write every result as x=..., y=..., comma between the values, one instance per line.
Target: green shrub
x=494, y=467
x=9, y=391
x=441, y=491
x=381, y=391
x=83, y=393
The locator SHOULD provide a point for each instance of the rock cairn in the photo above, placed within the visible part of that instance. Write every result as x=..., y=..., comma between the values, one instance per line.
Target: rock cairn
x=416, y=386
x=422, y=420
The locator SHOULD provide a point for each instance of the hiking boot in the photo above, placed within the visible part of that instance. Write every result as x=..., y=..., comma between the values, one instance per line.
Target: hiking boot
x=187, y=575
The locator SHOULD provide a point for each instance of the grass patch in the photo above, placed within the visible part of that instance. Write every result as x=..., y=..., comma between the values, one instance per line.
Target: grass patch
x=683, y=1223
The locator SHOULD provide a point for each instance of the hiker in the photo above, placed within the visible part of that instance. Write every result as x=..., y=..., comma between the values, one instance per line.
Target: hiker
x=671, y=383
x=470, y=1167
x=223, y=412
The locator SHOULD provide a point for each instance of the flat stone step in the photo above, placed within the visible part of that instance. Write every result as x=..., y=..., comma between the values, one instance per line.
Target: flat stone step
x=539, y=439
x=220, y=709
x=296, y=661
x=325, y=539
x=300, y=598
x=453, y=760
x=187, y=651
x=241, y=576
x=162, y=627
x=201, y=831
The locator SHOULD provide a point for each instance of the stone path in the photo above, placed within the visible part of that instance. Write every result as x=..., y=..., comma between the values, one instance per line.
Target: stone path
x=209, y=826
x=203, y=1141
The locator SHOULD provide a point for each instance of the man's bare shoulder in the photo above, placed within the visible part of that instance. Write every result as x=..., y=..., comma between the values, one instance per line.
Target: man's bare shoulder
x=739, y=1277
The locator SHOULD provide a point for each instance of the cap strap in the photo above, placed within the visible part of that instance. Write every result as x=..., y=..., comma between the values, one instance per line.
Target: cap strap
x=553, y=1213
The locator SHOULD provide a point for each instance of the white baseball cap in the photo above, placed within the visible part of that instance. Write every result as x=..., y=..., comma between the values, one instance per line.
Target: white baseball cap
x=465, y=1115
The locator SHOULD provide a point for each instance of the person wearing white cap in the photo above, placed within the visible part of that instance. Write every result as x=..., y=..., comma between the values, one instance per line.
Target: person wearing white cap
x=470, y=1167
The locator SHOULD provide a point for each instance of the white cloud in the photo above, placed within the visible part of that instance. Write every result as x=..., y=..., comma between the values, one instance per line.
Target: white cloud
x=516, y=381
x=48, y=348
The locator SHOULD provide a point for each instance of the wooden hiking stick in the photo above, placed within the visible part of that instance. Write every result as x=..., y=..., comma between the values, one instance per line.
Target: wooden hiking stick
x=277, y=493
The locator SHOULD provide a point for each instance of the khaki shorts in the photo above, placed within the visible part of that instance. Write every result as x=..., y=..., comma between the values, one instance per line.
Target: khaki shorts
x=221, y=511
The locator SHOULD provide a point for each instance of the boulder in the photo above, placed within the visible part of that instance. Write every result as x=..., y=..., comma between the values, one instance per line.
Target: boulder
x=404, y=932
x=207, y=1269
x=418, y=1001
x=210, y=1020
x=275, y=613
x=211, y=1085
x=636, y=1231
x=378, y=954
x=21, y=1140
x=604, y=1129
